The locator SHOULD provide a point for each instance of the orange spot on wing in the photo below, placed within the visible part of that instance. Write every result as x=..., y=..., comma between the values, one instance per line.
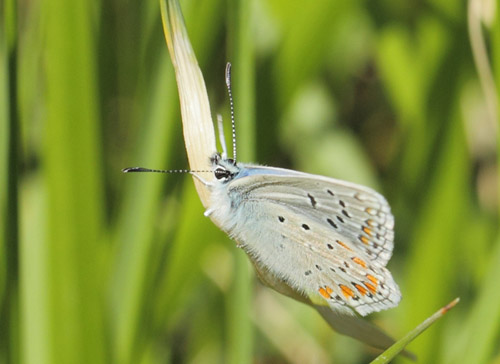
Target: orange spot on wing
x=361, y=289
x=364, y=239
x=367, y=231
x=359, y=261
x=324, y=293
x=370, y=211
x=371, y=222
x=343, y=245
x=372, y=278
x=329, y=290
x=347, y=291
x=371, y=287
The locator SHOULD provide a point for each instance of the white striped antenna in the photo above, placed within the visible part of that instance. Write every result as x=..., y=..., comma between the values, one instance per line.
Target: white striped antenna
x=170, y=171
x=233, y=126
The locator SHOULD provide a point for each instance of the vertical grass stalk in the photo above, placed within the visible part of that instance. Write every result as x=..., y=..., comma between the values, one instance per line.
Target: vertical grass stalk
x=241, y=55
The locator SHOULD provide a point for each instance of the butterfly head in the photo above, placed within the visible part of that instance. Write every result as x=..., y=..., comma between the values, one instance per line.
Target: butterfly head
x=225, y=169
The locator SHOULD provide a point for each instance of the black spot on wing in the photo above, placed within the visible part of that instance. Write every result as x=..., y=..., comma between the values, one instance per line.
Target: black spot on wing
x=313, y=200
x=330, y=221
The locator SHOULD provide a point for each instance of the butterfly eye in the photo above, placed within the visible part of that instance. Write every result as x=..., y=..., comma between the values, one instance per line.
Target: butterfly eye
x=221, y=173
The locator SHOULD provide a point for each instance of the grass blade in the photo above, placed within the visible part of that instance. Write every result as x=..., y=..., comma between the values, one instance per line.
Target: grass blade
x=400, y=345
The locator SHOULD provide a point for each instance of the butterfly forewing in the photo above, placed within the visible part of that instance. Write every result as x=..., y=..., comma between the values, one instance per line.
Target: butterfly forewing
x=360, y=214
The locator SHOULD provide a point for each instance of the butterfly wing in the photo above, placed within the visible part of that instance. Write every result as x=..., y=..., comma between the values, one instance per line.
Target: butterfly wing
x=354, y=211
x=289, y=215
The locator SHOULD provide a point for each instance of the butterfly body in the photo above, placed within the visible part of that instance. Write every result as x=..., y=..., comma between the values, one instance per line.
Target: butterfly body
x=324, y=240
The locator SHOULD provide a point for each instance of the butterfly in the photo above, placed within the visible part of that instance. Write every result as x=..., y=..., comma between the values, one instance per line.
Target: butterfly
x=319, y=240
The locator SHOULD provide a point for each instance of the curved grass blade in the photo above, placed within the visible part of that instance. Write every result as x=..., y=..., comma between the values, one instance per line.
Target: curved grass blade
x=199, y=135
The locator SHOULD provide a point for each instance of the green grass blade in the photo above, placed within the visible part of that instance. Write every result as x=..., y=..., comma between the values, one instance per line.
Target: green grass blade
x=400, y=345
x=75, y=196
x=435, y=237
x=9, y=179
x=240, y=299
x=135, y=232
x=478, y=338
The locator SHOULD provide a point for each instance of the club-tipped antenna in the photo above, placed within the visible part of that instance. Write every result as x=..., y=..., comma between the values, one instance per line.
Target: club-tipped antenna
x=141, y=169
x=233, y=126
x=220, y=127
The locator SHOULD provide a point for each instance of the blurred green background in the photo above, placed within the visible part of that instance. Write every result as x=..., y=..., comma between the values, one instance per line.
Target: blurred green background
x=101, y=267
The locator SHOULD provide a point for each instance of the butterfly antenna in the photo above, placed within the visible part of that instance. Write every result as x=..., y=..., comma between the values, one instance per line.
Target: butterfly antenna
x=220, y=127
x=233, y=126
x=141, y=169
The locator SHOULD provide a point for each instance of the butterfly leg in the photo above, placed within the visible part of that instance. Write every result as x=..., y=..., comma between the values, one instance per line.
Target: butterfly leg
x=208, y=212
x=207, y=184
x=202, y=180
